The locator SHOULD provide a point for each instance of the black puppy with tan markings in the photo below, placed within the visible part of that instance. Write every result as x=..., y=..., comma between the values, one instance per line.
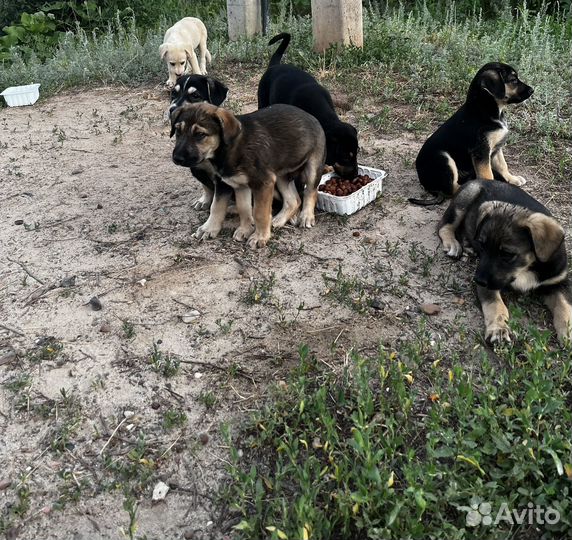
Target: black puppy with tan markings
x=197, y=89
x=253, y=153
x=469, y=144
x=520, y=246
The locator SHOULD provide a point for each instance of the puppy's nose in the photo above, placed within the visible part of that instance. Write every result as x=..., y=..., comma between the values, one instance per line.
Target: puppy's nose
x=178, y=159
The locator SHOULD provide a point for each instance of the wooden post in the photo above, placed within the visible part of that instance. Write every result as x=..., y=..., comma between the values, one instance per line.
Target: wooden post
x=337, y=21
x=244, y=18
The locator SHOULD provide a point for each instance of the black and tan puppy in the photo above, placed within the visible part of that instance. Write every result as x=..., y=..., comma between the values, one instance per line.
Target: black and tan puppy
x=520, y=246
x=284, y=83
x=253, y=153
x=469, y=144
x=198, y=89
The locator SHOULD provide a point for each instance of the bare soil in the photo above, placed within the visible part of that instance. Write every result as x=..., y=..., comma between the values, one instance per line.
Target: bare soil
x=93, y=206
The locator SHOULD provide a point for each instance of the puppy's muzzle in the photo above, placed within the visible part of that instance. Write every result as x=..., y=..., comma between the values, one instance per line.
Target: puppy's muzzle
x=523, y=94
x=184, y=159
x=346, y=171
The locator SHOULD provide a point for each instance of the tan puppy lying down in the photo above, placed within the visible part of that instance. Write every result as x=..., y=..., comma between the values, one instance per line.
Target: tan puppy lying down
x=179, y=46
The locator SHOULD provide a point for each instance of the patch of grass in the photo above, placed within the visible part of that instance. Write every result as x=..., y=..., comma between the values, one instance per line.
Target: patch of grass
x=349, y=291
x=208, y=399
x=163, y=363
x=174, y=418
x=260, y=290
x=18, y=383
x=396, y=446
x=47, y=349
x=128, y=329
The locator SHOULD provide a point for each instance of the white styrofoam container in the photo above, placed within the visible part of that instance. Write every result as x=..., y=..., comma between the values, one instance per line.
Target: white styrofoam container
x=16, y=96
x=358, y=199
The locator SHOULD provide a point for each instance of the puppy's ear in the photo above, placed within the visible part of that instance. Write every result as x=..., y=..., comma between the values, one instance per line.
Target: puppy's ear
x=230, y=126
x=217, y=91
x=163, y=50
x=174, y=119
x=547, y=235
x=485, y=211
x=492, y=83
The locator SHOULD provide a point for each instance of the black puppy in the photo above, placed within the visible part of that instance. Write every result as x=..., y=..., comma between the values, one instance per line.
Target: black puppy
x=198, y=89
x=469, y=144
x=284, y=83
x=520, y=247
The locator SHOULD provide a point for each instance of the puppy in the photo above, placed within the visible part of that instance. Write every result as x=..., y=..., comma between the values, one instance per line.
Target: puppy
x=196, y=89
x=520, y=246
x=284, y=83
x=469, y=144
x=253, y=153
x=179, y=46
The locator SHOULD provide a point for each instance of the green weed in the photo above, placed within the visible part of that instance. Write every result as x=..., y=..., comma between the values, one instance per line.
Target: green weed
x=373, y=453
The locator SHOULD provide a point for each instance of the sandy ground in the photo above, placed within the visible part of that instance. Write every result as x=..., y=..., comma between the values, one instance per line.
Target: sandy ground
x=93, y=206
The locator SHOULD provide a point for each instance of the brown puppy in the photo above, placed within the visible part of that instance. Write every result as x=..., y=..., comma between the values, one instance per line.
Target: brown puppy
x=252, y=153
x=520, y=247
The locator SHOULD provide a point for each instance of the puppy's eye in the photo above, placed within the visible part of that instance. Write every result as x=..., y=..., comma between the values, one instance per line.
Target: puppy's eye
x=199, y=136
x=172, y=63
x=507, y=256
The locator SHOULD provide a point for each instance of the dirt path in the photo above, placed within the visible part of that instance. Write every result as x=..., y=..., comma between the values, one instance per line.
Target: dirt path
x=189, y=334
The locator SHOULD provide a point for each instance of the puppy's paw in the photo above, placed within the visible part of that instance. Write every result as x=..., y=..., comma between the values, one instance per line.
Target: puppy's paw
x=453, y=248
x=497, y=333
x=206, y=231
x=517, y=180
x=202, y=203
x=306, y=220
x=257, y=240
x=169, y=83
x=242, y=233
x=279, y=220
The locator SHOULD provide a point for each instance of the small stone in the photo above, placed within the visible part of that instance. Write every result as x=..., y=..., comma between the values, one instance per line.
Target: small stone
x=370, y=240
x=356, y=233
x=155, y=405
x=19, y=222
x=160, y=491
x=458, y=300
x=99, y=206
x=203, y=438
x=377, y=304
x=430, y=309
x=189, y=535
x=105, y=328
x=190, y=316
x=68, y=282
x=5, y=484
x=128, y=414
x=198, y=375
x=95, y=303
x=79, y=170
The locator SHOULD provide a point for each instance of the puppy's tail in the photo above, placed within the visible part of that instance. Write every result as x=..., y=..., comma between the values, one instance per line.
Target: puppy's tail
x=277, y=56
x=437, y=199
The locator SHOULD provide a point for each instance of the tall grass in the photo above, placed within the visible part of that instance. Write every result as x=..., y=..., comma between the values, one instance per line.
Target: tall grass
x=408, y=55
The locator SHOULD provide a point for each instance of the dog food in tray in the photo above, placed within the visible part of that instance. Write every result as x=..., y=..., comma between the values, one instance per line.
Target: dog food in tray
x=351, y=203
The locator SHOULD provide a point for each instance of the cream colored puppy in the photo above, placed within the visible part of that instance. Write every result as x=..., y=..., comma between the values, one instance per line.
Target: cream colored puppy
x=179, y=46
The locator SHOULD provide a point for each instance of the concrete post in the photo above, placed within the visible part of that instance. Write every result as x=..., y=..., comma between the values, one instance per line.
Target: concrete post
x=244, y=18
x=337, y=21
